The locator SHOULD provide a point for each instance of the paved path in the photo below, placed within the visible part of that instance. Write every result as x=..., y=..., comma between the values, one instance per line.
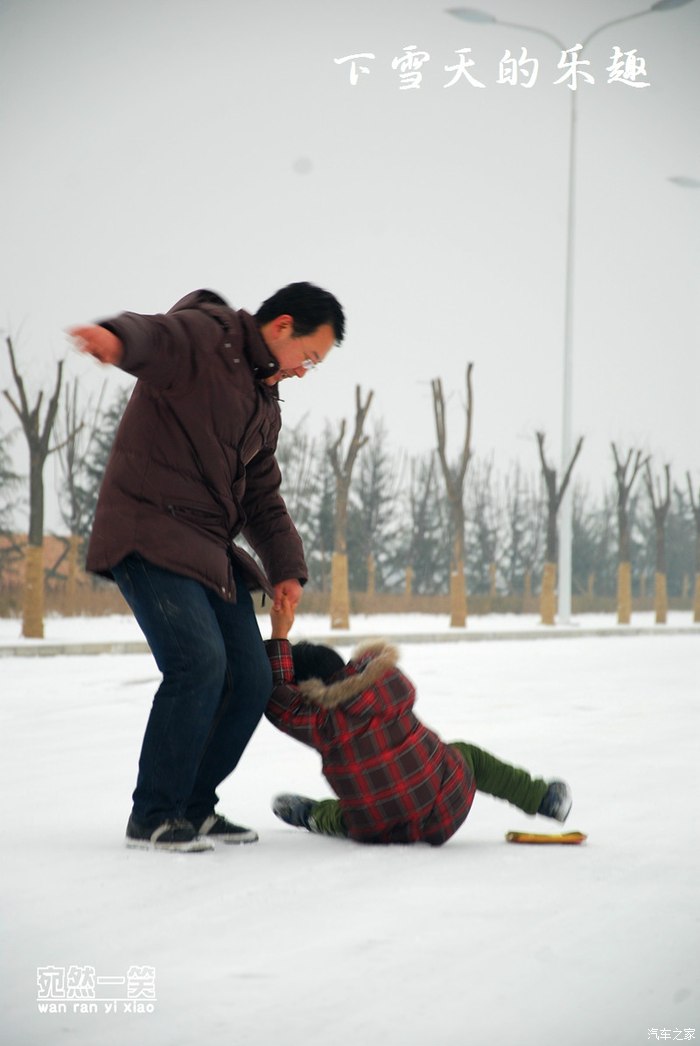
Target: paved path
x=47, y=648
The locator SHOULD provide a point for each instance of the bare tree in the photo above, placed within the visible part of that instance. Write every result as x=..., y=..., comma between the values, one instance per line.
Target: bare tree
x=695, y=506
x=296, y=457
x=98, y=454
x=594, y=542
x=485, y=516
x=376, y=553
x=524, y=512
x=321, y=522
x=660, y=504
x=554, y=498
x=38, y=435
x=342, y=470
x=589, y=541
x=76, y=436
x=454, y=477
x=428, y=554
x=625, y=475
x=10, y=549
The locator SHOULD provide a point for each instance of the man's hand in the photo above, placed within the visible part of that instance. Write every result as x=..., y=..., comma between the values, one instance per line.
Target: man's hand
x=290, y=590
x=98, y=342
x=282, y=618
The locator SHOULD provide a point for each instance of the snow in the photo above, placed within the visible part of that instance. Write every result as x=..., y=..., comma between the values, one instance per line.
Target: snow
x=302, y=941
x=124, y=629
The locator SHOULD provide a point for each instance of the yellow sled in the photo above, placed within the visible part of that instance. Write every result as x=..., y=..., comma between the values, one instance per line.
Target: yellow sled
x=568, y=838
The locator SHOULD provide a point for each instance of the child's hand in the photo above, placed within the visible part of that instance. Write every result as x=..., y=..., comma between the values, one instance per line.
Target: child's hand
x=282, y=619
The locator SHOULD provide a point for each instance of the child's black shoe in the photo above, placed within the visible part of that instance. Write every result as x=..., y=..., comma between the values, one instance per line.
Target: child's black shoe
x=556, y=802
x=294, y=810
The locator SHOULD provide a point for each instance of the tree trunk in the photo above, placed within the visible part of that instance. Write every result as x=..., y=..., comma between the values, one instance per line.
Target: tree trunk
x=625, y=474
x=409, y=584
x=548, y=595
x=624, y=565
x=660, y=598
x=342, y=470
x=454, y=486
x=458, y=580
x=371, y=576
x=551, y=542
x=33, y=600
x=458, y=605
x=340, y=591
x=696, y=599
x=38, y=438
x=661, y=567
x=660, y=504
x=458, y=596
x=555, y=495
x=624, y=593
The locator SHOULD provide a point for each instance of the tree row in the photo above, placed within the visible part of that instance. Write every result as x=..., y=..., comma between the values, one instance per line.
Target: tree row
x=374, y=519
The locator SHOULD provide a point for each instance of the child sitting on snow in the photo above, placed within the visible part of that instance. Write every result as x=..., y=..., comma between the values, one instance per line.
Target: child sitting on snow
x=396, y=781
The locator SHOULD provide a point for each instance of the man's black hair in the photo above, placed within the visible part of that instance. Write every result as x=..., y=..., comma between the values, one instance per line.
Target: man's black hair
x=308, y=305
x=313, y=661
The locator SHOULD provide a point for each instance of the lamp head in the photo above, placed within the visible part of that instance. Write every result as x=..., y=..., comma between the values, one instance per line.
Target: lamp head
x=667, y=5
x=685, y=181
x=470, y=14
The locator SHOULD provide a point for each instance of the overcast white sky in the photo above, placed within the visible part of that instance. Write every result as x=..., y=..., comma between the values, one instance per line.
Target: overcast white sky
x=152, y=147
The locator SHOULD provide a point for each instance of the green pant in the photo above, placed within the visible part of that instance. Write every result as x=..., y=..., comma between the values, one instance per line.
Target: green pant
x=492, y=776
x=326, y=818
x=501, y=779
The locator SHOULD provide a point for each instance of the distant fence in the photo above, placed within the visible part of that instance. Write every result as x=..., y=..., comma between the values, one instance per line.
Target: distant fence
x=98, y=598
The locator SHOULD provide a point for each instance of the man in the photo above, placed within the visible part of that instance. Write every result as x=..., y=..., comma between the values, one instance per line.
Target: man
x=193, y=465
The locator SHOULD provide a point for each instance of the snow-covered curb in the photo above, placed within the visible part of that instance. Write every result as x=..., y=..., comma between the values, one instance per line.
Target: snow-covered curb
x=121, y=635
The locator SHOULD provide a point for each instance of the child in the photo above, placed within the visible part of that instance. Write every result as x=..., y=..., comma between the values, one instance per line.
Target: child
x=396, y=781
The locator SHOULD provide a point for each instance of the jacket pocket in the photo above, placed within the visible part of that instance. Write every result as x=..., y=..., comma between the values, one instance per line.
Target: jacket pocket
x=201, y=517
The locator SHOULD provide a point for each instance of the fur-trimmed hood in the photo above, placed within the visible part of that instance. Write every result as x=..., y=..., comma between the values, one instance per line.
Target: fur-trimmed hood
x=378, y=656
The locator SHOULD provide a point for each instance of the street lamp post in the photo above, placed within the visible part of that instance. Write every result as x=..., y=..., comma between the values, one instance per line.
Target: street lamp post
x=467, y=14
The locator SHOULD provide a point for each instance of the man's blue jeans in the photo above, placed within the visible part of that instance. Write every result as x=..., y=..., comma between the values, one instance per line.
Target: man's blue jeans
x=216, y=684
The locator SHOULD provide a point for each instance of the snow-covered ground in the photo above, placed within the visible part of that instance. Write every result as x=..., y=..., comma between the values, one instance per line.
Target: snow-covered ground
x=123, y=629
x=302, y=941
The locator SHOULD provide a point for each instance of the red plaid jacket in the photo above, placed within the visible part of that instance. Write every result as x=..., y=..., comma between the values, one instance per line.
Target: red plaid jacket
x=397, y=782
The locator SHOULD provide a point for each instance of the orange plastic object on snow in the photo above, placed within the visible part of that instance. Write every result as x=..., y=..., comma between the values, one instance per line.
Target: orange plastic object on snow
x=560, y=838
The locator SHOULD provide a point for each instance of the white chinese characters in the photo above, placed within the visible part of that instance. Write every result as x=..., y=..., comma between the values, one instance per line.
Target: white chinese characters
x=462, y=69
x=355, y=69
x=626, y=67
x=671, y=1034
x=409, y=65
x=572, y=67
x=79, y=989
x=523, y=71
